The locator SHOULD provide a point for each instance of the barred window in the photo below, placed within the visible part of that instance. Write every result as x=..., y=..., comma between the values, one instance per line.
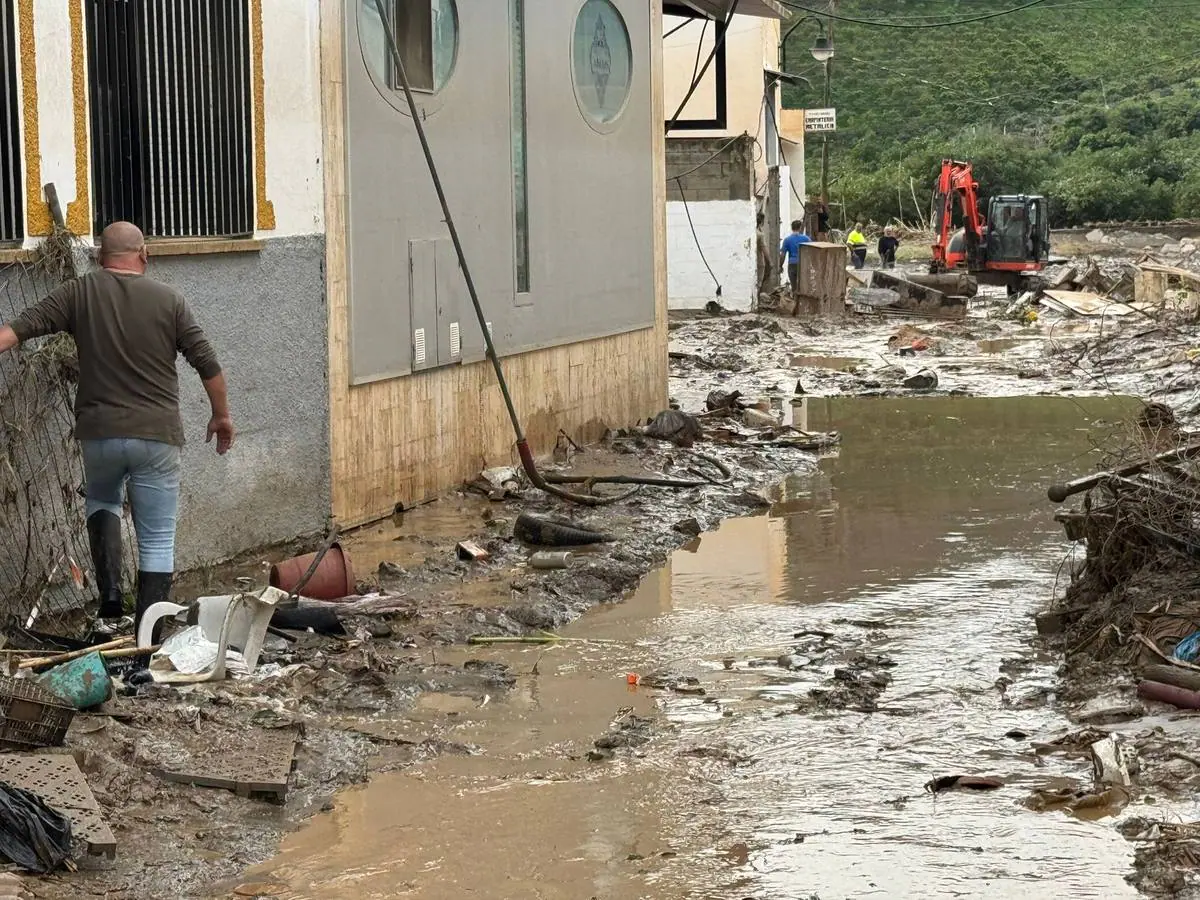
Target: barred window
x=172, y=146
x=12, y=207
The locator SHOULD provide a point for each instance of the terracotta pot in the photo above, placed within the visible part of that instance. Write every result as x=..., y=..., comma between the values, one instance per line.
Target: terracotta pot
x=333, y=580
x=1169, y=693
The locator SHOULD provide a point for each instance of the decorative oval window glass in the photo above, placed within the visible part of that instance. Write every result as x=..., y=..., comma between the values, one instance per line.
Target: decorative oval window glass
x=601, y=61
x=426, y=36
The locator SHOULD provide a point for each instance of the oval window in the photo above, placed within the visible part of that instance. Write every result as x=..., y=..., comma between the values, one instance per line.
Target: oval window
x=601, y=62
x=426, y=33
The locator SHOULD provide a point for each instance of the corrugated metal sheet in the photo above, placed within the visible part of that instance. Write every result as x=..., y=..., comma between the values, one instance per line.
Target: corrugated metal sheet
x=12, y=206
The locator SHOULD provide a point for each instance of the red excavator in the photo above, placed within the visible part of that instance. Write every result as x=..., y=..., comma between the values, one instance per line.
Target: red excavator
x=1010, y=248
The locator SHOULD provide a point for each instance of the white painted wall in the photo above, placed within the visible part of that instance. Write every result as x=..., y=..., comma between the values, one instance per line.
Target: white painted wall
x=56, y=116
x=725, y=229
x=292, y=101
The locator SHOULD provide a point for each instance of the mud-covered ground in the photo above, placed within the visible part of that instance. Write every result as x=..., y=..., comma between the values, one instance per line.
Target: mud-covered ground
x=352, y=695
x=362, y=700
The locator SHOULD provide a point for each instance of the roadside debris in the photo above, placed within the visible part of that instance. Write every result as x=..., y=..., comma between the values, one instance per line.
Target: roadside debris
x=32, y=835
x=254, y=765
x=471, y=551
x=31, y=716
x=56, y=780
x=629, y=733
x=547, y=533
x=323, y=575
x=1141, y=534
x=544, y=560
x=924, y=380
x=82, y=682
x=963, y=783
x=675, y=426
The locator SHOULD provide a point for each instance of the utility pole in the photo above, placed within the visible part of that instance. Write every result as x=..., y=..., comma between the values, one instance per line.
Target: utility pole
x=828, y=101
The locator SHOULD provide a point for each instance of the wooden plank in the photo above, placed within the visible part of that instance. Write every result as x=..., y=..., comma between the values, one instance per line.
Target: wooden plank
x=1085, y=303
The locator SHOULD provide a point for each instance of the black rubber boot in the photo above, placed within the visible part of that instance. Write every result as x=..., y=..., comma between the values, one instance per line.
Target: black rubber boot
x=153, y=587
x=104, y=536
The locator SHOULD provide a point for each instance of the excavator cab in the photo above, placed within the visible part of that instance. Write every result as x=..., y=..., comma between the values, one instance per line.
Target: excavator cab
x=1018, y=232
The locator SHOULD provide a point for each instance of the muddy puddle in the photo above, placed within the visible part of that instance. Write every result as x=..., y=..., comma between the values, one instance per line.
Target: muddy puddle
x=927, y=543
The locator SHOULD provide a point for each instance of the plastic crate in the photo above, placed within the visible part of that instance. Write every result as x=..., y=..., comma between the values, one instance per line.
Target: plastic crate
x=31, y=716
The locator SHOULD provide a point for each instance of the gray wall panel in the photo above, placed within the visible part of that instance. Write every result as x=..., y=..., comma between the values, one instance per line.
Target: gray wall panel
x=591, y=192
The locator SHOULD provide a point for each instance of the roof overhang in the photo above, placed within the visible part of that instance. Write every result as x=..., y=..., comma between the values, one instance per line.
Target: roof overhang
x=719, y=9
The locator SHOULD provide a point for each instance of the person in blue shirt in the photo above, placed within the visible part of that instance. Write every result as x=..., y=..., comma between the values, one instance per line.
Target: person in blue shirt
x=790, y=249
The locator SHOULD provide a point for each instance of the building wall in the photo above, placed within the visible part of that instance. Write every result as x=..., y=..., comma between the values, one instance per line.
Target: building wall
x=401, y=439
x=725, y=230
x=751, y=45
x=262, y=301
x=711, y=217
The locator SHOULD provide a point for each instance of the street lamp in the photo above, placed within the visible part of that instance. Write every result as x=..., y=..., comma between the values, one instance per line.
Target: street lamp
x=822, y=52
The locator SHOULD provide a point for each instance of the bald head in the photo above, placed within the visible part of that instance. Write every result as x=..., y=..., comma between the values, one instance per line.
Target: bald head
x=123, y=247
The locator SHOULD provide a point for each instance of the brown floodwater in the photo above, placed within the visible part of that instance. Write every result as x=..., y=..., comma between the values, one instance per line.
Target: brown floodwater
x=930, y=531
x=837, y=363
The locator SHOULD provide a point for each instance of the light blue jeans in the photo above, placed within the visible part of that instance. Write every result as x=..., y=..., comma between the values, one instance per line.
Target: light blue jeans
x=151, y=470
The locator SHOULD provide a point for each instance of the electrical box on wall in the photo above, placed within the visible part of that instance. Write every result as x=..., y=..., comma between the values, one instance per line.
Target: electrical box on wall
x=437, y=293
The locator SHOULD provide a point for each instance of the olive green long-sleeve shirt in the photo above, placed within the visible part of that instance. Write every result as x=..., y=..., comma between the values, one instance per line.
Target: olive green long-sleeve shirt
x=129, y=330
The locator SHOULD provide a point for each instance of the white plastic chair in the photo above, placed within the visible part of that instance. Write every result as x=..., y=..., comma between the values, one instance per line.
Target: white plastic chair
x=238, y=621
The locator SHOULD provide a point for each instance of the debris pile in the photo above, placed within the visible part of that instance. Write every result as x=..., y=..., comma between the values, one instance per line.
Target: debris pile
x=1102, y=287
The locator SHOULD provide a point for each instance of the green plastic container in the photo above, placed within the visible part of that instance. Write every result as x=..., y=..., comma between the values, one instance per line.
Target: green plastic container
x=82, y=682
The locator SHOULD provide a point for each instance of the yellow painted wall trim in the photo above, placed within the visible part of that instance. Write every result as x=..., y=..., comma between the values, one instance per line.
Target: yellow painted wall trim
x=79, y=214
x=37, y=213
x=265, y=208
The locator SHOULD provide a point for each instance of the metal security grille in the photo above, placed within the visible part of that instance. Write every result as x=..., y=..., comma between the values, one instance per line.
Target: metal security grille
x=12, y=209
x=171, y=116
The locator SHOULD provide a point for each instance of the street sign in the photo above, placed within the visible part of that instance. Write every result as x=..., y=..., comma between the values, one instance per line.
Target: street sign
x=820, y=120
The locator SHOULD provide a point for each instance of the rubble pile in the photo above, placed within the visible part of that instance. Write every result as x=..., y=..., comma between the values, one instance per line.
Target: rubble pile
x=1136, y=595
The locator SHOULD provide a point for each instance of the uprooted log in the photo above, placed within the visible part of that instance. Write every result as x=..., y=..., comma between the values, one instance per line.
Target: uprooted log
x=917, y=298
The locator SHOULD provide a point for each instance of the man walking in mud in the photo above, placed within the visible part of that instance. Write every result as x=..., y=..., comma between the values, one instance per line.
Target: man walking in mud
x=129, y=329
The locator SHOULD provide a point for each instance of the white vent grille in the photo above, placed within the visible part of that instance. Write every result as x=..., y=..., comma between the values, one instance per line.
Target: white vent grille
x=455, y=340
x=419, y=346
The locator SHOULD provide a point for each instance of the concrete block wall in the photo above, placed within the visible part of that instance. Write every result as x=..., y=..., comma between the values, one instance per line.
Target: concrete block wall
x=726, y=170
x=266, y=315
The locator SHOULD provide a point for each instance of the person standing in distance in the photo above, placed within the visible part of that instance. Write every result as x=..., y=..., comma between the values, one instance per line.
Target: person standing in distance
x=789, y=250
x=129, y=329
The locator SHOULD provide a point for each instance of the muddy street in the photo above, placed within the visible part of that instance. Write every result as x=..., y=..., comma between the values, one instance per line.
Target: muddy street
x=803, y=674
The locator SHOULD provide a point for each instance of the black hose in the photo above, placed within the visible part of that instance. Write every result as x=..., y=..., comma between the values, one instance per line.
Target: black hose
x=527, y=461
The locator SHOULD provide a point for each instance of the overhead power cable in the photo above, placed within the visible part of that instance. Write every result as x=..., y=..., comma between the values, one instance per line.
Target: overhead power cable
x=878, y=23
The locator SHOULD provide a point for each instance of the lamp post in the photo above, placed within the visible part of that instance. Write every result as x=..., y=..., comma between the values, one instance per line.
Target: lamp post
x=822, y=52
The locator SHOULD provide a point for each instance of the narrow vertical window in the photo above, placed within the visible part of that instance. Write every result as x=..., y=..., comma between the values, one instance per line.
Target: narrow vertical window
x=12, y=209
x=520, y=166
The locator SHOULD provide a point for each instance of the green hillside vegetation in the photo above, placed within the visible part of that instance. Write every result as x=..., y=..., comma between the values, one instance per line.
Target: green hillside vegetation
x=1094, y=103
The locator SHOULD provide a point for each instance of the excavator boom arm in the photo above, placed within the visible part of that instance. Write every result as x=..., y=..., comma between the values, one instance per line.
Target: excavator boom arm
x=956, y=181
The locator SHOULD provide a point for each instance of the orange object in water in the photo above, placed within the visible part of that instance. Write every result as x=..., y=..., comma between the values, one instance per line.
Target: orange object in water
x=633, y=678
